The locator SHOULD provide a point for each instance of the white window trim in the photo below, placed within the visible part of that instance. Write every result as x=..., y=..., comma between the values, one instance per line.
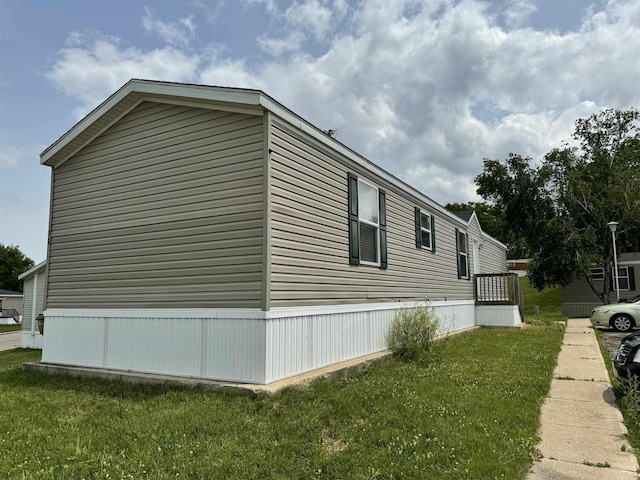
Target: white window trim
x=465, y=253
x=376, y=225
x=600, y=273
x=625, y=276
x=427, y=230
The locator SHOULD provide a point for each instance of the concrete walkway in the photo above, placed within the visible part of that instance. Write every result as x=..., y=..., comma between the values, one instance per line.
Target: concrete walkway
x=9, y=340
x=582, y=433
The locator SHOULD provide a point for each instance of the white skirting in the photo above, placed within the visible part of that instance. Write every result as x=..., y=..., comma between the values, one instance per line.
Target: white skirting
x=249, y=346
x=31, y=340
x=498, y=316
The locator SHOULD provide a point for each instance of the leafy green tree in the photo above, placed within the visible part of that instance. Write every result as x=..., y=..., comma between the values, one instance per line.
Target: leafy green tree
x=558, y=211
x=517, y=189
x=593, y=181
x=491, y=218
x=12, y=263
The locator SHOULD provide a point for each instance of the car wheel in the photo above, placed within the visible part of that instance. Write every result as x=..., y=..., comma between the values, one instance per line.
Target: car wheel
x=622, y=323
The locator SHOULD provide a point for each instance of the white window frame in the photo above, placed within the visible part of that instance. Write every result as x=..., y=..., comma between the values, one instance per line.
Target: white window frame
x=465, y=253
x=622, y=277
x=366, y=222
x=426, y=230
x=599, y=272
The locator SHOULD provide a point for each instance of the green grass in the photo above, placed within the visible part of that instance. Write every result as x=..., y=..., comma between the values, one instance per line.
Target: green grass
x=9, y=328
x=548, y=302
x=468, y=409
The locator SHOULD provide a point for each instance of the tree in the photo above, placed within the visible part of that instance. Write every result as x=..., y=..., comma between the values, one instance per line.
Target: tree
x=560, y=209
x=491, y=218
x=594, y=181
x=12, y=263
x=517, y=189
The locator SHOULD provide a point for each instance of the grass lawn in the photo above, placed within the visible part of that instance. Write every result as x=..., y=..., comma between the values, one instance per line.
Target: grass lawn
x=468, y=409
x=548, y=302
x=9, y=328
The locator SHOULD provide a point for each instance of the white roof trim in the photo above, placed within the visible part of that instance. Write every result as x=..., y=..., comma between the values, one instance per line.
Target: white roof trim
x=33, y=270
x=247, y=97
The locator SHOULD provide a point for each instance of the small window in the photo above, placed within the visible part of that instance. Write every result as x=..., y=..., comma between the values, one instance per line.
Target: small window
x=369, y=227
x=425, y=230
x=367, y=223
x=596, y=273
x=623, y=278
x=462, y=253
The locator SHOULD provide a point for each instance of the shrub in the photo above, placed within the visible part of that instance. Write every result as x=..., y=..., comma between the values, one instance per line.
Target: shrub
x=412, y=331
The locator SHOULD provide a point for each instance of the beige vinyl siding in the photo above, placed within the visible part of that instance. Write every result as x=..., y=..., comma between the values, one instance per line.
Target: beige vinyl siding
x=493, y=258
x=27, y=312
x=28, y=315
x=164, y=209
x=309, y=248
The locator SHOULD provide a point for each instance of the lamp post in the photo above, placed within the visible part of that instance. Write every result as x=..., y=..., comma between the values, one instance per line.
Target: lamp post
x=613, y=227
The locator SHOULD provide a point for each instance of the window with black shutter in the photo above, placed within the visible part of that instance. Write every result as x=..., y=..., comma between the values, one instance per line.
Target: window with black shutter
x=367, y=223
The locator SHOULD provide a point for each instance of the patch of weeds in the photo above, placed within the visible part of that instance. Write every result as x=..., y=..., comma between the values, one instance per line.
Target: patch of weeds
x=412, y=332
x=597, y=464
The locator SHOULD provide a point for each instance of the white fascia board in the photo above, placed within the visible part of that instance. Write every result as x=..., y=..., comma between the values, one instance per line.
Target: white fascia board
x=33, y=270
x=240, y=313
x=79, y=127
x=200, y=92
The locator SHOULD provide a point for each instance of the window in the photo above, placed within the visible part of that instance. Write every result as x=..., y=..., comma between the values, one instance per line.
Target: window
x=368, y=219
x=623, y=278
x=596, y=273
x=367, y=223
x=425, y=230
x=462, y=249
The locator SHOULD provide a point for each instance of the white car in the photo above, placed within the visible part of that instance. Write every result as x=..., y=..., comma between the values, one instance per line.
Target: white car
x=621, y=316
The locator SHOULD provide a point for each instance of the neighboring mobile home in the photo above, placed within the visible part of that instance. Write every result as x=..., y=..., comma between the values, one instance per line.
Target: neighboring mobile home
x=34, y=282
x=211, y=232
x=10, y=307
x=578, y=299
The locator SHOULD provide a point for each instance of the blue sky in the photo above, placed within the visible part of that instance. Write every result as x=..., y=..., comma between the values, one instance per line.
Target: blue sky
x=426, y=89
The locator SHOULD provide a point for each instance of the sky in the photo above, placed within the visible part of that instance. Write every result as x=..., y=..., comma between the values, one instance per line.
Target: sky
x=424, y=89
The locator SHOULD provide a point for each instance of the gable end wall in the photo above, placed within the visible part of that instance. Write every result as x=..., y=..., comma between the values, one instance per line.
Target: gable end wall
x=162, y=210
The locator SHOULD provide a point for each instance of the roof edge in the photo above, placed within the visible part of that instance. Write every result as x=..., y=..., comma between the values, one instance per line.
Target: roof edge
x=32, y=270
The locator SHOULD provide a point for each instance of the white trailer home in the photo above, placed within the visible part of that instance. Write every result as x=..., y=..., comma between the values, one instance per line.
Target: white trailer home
x=211, y=232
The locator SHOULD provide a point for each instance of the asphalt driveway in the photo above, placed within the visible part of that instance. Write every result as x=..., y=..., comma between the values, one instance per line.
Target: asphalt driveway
x=612, y=339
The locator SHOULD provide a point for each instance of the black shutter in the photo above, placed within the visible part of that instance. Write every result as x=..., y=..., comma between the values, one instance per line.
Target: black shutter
x=354, y=230
x=382, y=205
x=632, y=279
x=418, y=227
x=433, y=235
x=458, y=251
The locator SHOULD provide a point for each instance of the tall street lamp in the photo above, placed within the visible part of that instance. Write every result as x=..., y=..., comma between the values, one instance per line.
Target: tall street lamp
x=613, y=226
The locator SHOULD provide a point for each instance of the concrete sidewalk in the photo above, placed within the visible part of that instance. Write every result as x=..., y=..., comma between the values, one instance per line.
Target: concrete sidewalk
x=582, y=433
x=9, y=340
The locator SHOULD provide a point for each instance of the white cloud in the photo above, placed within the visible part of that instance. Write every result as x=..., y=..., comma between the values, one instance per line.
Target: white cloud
x=178, y=33
x=96, y=67
x=517, y=12
x=281, y=46
x=312, y=16
x=10, y=157
x=426, y=90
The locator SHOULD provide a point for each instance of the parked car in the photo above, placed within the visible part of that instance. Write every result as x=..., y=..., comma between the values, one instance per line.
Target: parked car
x=621, y=316
x=627, y=360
